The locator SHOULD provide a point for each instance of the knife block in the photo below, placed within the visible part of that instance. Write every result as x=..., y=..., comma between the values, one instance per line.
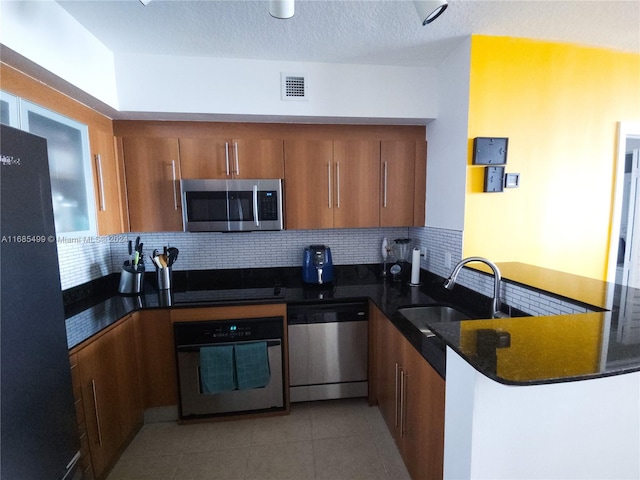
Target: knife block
x=131, y=281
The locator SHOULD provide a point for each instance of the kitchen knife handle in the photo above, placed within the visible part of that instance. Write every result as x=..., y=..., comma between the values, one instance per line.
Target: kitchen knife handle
x=226, y=155
x=103, y=206
x=338, y=182
x=235, y=149
x=95, y=404
x=329, y=183
x=386, y=168
x=175, y=191
x=256, y=219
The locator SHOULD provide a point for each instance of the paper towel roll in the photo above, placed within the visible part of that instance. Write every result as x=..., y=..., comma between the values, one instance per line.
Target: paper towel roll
x=415, y=267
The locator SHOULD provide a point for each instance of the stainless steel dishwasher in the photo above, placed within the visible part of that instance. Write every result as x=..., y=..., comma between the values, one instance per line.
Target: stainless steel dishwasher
x=328, y=350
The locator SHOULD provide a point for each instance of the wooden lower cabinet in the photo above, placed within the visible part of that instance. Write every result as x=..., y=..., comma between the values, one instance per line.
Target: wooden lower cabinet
x=109, y=386
x=410, y=396
x=156, y=358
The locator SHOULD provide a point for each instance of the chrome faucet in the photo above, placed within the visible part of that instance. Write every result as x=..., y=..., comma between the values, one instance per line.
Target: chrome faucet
x=450, y=282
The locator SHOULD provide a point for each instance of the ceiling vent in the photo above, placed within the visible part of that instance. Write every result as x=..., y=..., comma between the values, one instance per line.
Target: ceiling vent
x=293, y=87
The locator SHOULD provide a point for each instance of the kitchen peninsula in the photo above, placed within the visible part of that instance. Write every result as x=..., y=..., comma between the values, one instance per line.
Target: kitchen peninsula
x=561, y=398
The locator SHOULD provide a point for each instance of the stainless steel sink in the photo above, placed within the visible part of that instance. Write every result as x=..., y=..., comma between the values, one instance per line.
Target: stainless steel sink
x=423, y=315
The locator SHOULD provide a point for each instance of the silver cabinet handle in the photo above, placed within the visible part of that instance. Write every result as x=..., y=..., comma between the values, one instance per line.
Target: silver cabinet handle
x=396, y=392
x=226, y=155
x=329, y=183
x=235, y=148
x=338, y=182
x=256, y=219
x=95, y=404
x=403, y=400
x=384, y=203
x=175, y=191
x=103, y=206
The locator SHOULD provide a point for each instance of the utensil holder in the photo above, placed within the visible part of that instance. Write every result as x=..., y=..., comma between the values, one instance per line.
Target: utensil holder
x=164, y=276
x=131, y=281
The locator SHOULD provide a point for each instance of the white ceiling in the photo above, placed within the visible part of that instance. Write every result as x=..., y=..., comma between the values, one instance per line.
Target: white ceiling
x=336, y=31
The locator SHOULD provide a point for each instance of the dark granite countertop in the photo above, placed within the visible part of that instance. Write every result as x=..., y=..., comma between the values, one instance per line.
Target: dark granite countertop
x=514, y=351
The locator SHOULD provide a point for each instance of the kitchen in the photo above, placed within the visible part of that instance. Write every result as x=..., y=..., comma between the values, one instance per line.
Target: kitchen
x=452, y=207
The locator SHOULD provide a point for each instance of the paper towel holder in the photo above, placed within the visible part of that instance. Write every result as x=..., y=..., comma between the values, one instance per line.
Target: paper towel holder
x=415, y=267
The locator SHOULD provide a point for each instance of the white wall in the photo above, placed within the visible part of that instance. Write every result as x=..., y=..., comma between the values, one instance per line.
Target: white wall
x=152, y=83
x=448, y=139
x=46, y=34
x=588, y=429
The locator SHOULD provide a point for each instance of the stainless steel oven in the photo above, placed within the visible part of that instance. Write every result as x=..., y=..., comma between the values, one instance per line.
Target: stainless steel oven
x=230, y=366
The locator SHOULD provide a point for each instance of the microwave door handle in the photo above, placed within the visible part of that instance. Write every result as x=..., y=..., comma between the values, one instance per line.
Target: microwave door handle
x=256, y=218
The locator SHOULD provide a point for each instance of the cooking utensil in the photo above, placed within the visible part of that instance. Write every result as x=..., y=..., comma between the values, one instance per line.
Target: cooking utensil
x=172, y=253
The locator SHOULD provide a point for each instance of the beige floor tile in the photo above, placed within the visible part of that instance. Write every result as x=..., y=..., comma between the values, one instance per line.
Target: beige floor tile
x=146, y=468
x=375, y=419
x=342, y=418
x=390, y=456
x=333, y=440
x=158, y=439
x=348, y=458
x=220, y=435
x=295, y=427
x=215, y=465
x=291, y=461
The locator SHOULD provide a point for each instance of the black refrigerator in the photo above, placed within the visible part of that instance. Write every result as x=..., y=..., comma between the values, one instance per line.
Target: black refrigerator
x=38, y=427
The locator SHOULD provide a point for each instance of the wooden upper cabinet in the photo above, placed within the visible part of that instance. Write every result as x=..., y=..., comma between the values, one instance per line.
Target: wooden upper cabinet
x=205, y=158
x=331, y=184
x=107, y=186
x=308, y=186
x=356, y=179
x=397, y=170
x=153, y=183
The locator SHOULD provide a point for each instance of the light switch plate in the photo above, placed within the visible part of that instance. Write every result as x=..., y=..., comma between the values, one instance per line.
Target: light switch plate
x=494, y=179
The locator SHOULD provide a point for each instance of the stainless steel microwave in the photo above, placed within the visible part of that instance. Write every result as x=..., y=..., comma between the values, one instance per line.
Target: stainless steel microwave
x=231, y=205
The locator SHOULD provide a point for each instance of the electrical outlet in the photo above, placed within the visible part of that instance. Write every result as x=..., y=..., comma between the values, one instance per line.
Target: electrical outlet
x=447, y=260
x=423, y=252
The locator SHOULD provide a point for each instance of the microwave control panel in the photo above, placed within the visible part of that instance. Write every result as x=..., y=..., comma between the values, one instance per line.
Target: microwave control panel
x=268, y=201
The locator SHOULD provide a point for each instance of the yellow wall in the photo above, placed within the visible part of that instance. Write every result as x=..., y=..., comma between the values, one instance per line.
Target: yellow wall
x=559, y=106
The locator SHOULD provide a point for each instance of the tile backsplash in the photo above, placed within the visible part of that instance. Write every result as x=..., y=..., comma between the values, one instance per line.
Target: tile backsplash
x=85, y=261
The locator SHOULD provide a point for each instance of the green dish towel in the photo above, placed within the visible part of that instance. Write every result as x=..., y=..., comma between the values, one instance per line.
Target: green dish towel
x=217, y=372
x=252, y=365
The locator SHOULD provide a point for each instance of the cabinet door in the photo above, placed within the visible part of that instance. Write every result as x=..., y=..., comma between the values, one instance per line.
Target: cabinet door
x=100, y=398
x=423, y=416
x=204, y=158
x=388, y=367
x=258, y=158
x=156, y=358
x=106, y=182
x=126, y=372
x=112, y=406
x=69, y=166
x=397, y=171
x=357, y=180
x=153, y=188
x=308, y=184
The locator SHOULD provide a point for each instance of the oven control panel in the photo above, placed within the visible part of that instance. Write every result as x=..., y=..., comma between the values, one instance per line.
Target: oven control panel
x=224, y=331
x=230, y=331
